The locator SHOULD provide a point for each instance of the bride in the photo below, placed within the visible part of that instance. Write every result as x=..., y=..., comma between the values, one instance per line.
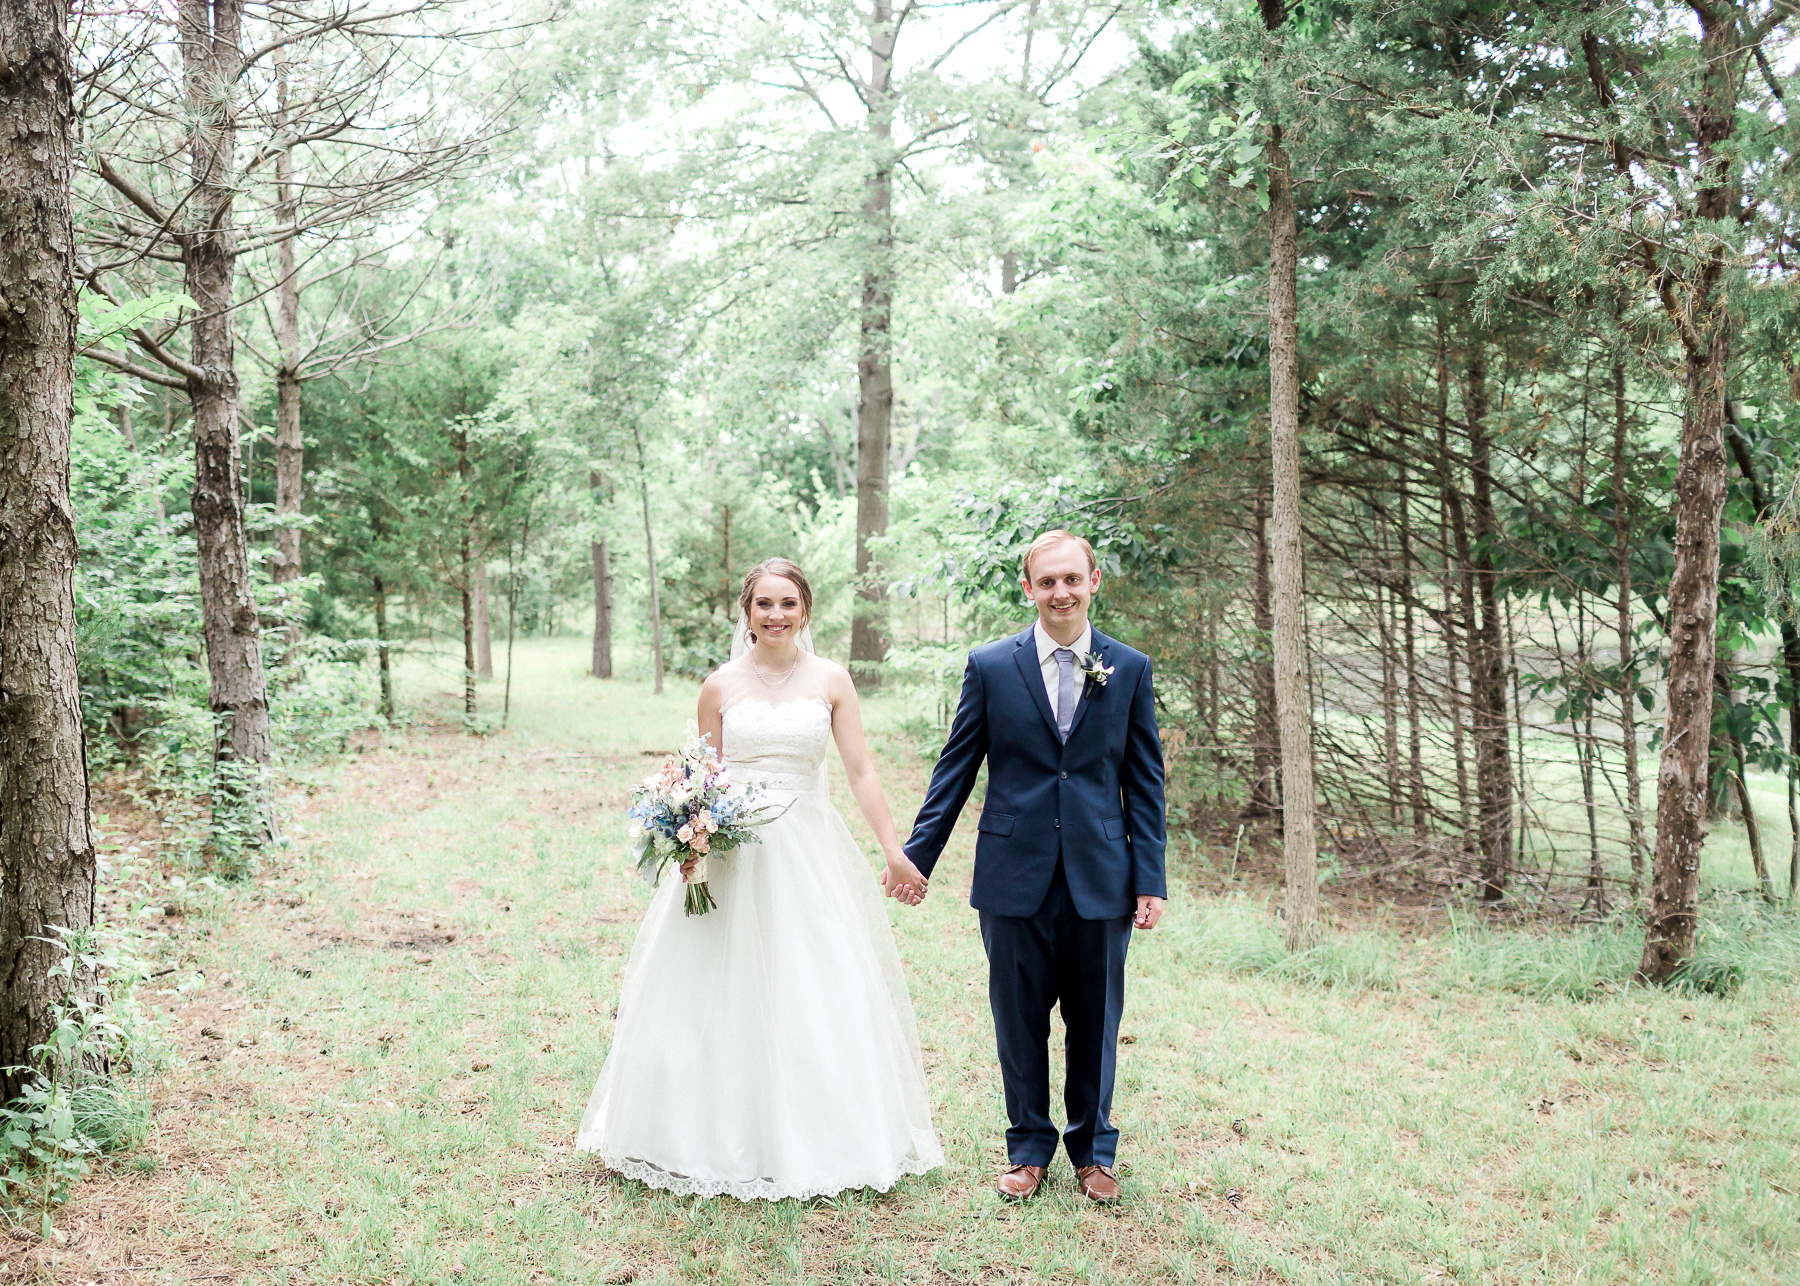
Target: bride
x=767, y=1048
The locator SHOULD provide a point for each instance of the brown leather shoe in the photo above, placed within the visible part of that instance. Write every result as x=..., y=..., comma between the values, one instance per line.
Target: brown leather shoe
x=1020, y=1182
x=1098, y=1183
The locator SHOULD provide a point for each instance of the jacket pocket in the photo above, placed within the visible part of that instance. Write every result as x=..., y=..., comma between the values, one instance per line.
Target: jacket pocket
x=1113, y=827
x=995, y=823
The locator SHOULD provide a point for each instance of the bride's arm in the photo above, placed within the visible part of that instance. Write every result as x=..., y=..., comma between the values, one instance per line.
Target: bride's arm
x=901, y=879
x=709, y=715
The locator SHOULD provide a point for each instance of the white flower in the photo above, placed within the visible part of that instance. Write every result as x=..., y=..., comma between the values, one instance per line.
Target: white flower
x=1090, y=664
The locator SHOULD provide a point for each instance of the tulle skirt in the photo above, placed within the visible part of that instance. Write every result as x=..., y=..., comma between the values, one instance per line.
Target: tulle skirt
x=767, y=1048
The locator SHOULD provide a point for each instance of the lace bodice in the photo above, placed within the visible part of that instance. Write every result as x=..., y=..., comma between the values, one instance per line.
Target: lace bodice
x=777, y=735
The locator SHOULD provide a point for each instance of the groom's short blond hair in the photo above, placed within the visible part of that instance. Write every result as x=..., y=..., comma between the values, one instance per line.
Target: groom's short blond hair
x=1055, y=536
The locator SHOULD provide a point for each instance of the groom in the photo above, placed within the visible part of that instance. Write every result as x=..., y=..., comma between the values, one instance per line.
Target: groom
x=1069, y=856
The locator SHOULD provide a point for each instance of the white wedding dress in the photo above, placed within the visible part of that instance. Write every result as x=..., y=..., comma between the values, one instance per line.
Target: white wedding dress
x=767, y=1048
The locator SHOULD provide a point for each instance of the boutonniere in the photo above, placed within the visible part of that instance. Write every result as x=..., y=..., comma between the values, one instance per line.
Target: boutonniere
x=1093, y=667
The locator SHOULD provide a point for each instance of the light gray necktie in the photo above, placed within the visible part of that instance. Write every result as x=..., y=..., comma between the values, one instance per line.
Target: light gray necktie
x=1065, y=690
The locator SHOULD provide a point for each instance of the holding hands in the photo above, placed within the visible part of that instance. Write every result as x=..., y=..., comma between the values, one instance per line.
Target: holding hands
x=903, y=880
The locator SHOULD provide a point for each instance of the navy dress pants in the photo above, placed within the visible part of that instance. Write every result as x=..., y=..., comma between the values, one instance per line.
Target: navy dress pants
x=1036, y=962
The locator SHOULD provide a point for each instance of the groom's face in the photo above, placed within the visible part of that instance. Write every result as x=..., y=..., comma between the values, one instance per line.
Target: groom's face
x=1062, y=586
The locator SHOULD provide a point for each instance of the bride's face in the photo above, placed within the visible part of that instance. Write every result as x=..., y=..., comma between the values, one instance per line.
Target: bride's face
x=777, y=614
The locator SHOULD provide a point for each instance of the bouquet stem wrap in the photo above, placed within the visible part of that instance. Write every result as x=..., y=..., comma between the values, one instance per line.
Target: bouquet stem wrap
x=698, y=899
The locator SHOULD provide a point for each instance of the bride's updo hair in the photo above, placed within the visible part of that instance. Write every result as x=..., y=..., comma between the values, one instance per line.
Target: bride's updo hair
x=787, y=569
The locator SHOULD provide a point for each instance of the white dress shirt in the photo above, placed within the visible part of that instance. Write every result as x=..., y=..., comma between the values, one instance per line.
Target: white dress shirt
x=1046, y=650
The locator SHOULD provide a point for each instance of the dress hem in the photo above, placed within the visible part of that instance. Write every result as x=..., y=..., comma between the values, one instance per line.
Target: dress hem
x=753, y=1189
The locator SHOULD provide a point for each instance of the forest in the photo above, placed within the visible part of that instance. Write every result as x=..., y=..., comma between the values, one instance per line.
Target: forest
x=404, y=388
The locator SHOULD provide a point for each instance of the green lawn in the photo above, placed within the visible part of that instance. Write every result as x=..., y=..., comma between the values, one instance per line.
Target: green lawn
x=428, y=974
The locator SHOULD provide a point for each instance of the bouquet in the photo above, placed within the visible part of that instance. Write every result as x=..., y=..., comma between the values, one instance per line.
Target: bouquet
x=686, y=809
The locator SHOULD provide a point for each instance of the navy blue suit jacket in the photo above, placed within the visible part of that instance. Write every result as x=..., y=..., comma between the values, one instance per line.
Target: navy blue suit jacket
x=1097, y=800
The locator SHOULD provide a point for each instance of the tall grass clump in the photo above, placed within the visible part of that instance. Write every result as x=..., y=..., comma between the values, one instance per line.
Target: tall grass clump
x=1235, y=935
x=1741, y=940
x=1569, y=964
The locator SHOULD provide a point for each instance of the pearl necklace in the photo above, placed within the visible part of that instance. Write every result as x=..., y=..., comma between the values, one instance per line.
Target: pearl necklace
x=778, y=682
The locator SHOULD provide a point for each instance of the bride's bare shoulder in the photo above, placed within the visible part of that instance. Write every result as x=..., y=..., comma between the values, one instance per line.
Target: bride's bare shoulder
x=837, y=678
x=713, y=688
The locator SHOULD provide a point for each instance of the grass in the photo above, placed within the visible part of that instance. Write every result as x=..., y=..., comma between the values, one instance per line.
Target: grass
x=413, y=1001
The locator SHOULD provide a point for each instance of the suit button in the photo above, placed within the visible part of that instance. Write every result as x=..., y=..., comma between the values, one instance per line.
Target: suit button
x=1057, y=823
x=1065, y=776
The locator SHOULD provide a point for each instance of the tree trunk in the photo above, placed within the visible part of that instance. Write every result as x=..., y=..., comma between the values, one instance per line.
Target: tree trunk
x=1693, y=595
x=874, y=367
x=1587, y=750
x=602, y=666
x=1455, y=553
x=289, y=447
x=656, y=647
x=465, y=556
x=1300, y=863
x=1628, y=682
x=1390, y=697
x=1415, y=760
x=1487, y=674
x=381, y=651
x=238, y=693
x=484, y=625
x=599, y=488
x=47, y=863
x=1518, y=716
x=1682, y=782
x=1752, y=831
x=1265, y=735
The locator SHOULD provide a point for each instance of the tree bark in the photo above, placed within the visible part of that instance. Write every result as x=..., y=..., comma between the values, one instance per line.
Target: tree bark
x=1300, y=862
x=484, y=624
x=1265, y=737
x=465, y=555
x=212, y=63
x=1390, y=695
x=1634, y=807
x=47, y=863
x=1415, y=759
x=1752, y=831
x=381, y=650
x=1693, y=595
x=1487, y=675
x=1518, y=717
x=1455, y=541
x=1682, y=782
x=874, y=367
x=602, y=666
x=289, y=447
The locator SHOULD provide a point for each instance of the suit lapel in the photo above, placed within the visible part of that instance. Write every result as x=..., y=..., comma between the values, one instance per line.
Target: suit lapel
x=1026, y=657
x=1090, y=691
